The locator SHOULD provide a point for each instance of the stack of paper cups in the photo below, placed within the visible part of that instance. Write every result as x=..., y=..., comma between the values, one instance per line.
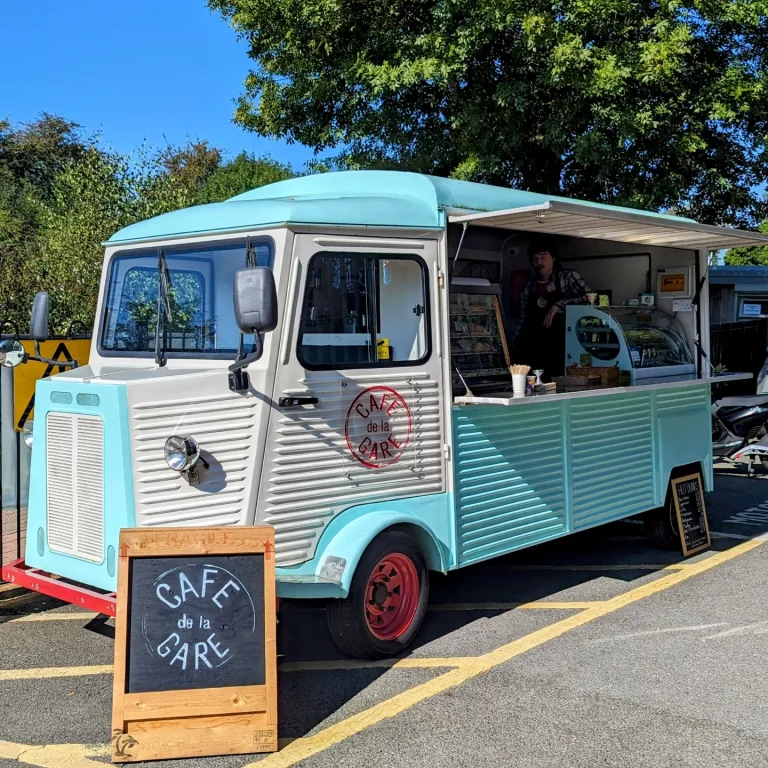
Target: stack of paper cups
x=518, y=384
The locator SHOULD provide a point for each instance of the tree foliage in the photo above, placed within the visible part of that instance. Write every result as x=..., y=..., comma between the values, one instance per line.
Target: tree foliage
x=749, y=257
x=659, y=105
x=62, y=195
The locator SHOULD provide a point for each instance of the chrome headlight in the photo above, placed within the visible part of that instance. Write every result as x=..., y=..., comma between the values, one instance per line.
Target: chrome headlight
x=181, y=453
x=26, y=433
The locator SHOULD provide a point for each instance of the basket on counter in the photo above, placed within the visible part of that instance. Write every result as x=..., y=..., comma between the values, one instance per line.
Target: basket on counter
x=609, y=376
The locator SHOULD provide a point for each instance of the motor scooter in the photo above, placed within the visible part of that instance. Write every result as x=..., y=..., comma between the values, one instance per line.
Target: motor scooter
x=740, y=429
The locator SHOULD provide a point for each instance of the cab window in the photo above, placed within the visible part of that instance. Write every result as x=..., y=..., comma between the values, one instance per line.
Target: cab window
x=363, y=311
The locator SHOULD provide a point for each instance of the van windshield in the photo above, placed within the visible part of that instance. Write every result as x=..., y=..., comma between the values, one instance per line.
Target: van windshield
x=197, y=318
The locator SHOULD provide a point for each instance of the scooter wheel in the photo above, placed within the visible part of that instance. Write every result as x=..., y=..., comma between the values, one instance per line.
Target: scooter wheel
x=387, y=599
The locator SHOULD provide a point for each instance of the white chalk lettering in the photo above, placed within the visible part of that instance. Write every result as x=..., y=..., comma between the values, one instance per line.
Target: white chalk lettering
x=223, y=591
x=184, y=622
x=164, y=648
x=201, y=651
x=165, y=600
x=215, y=646
x=186, y=586
x=181, y=655
x=204, y=623
x=206, y=580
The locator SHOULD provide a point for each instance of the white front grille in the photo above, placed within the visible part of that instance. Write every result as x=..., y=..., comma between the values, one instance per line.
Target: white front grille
x=75, y=485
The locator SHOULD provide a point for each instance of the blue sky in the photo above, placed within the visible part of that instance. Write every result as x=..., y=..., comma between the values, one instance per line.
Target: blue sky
x=132, y=70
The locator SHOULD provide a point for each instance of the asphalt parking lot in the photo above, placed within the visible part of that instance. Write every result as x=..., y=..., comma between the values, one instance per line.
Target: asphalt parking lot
x=595, y=650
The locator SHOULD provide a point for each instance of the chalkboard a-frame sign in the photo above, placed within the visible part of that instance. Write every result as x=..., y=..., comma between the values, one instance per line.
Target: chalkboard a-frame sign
x=688, y=495
x=195, y=648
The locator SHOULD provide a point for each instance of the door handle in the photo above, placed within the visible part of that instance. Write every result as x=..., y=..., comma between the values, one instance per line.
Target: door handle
x=289, y=401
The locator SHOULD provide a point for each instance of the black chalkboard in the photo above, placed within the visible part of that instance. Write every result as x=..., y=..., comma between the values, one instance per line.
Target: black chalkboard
x=692, y=522
x=195, y=622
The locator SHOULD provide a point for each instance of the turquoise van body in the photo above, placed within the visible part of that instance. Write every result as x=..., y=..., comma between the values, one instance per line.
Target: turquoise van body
x=519, y=473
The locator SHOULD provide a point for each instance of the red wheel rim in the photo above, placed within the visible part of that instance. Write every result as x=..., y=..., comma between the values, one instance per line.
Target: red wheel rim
x=391, y=596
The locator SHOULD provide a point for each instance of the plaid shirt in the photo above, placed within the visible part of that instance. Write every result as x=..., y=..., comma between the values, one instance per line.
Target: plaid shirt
x=570, y=284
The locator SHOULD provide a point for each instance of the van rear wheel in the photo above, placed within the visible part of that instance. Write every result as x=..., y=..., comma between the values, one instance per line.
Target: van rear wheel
x=661, y=525
x=387, y=599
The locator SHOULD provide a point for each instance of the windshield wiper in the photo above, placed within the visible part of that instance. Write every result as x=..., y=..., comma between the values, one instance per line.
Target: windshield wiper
x=163, y=305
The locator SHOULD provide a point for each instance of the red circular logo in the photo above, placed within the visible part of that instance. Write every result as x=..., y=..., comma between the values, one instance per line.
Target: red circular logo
x=378, y=427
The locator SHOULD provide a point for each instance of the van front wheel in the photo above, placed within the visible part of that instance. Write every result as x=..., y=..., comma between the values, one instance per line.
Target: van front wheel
x=387, y=599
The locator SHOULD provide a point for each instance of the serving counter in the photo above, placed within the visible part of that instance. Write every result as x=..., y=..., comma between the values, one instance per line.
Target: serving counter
x=644, y=385
x=558, y=463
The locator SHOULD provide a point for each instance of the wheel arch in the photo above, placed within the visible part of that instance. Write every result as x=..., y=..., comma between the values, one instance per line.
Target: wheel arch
x=351, y=534
x=681, y=471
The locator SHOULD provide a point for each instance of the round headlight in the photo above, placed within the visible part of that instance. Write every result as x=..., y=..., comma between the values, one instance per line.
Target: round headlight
x=181, y=452
x=26, y=433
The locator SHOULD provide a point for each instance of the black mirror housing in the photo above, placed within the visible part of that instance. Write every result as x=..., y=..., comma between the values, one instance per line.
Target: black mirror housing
x=38, y=326
x=255, y=299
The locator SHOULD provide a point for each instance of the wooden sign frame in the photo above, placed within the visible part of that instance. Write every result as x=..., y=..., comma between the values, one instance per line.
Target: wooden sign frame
x=199, y=722
x=674, y=483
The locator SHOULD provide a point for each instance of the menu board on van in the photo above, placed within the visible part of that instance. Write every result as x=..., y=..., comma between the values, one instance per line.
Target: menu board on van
x=688, y=494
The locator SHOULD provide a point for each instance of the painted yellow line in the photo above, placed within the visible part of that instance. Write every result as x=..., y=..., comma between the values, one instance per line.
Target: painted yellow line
x=409, y=663
x=55, y=755
x=70, y=616
x=38, y=673
x=611, y=567
x=541, y=605
x=303, y=749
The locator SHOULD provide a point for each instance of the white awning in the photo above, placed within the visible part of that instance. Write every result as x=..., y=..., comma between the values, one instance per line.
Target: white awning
x=578, y=220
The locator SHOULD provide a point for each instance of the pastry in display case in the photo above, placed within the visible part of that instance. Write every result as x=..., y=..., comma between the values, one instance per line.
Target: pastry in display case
x=478, y=342
x=642, y=341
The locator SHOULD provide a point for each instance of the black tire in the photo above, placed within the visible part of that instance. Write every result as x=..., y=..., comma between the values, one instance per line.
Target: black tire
x=661, y=525
x=347, y=619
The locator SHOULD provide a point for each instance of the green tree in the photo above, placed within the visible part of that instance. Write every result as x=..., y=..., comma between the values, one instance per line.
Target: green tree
x=749, y=257
x=92, y=199
x=659, y=105
x=32, y=156
x=241, y=174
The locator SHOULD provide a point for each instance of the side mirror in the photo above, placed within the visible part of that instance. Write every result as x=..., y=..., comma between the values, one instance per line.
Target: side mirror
x=255, y=299
x=38, y=326
x=11, y=353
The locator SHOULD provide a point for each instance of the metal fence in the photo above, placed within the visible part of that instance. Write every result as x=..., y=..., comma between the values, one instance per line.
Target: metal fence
x=740, y=346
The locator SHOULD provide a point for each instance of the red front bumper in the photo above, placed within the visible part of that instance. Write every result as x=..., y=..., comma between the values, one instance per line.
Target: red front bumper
x=16, y=572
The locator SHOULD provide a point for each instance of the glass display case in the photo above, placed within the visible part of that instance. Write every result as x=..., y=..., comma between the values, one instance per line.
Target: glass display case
x=644, y=341
x=478, y=344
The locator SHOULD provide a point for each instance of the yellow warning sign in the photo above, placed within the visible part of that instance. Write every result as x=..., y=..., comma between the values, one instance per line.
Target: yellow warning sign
x=26, y=375
x=382, y=348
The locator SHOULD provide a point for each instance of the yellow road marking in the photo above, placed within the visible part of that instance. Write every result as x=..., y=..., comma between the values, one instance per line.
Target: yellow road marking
x=614, y=567
x=541, y=605
x=55, y=755
x=538, y=605
x=72, y=616
x=37, y=673
x=304, y=748
x=409, y=663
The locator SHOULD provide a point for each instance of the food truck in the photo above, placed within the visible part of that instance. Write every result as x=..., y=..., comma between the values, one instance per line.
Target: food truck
x=329, y=355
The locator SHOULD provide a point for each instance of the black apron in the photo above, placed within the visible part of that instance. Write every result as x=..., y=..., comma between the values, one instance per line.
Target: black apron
x=544, y=347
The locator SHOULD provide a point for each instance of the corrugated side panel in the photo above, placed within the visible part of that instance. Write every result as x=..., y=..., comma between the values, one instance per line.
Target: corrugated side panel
x=223, y=425
x=75, y=485
x=311, y=475
x=676, y=401
x=611, y=447
x=510, y=480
